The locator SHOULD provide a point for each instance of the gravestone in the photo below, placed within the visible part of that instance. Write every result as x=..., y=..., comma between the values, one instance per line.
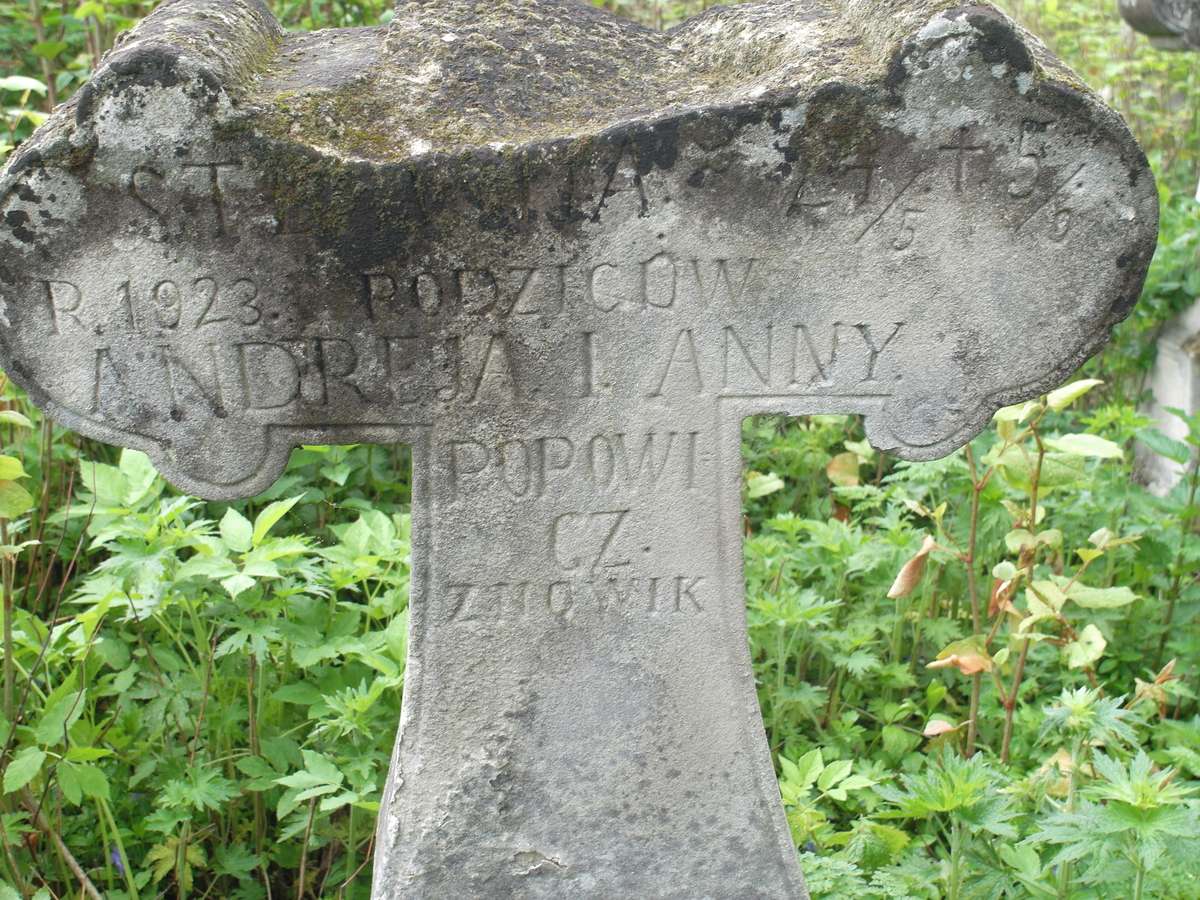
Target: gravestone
x=1170, y=24
x=564, y=256
x=1174, y=384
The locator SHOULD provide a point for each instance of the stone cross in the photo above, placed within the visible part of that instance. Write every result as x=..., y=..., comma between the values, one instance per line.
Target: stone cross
x=1170, y=24
x=564, y=256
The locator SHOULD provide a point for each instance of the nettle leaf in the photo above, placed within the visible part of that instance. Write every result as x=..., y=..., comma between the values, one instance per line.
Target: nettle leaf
x=1088, y=648
x=236, y=531
x=267, y=519
x=1164, y=446
x=23, y=768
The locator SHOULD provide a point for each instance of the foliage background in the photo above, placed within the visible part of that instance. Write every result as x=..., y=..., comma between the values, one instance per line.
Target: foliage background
x=978, y=675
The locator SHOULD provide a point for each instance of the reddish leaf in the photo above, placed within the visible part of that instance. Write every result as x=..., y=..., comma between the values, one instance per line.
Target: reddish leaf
x=910, y=573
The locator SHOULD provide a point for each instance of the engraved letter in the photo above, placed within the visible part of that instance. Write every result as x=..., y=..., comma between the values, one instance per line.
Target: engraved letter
x=691, y=365
x=64, y=300
x=270, y=375
x=865, y=331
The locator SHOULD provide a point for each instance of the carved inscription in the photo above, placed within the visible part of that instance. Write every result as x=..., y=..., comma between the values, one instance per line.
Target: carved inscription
x=651, y=597
x=615, y=461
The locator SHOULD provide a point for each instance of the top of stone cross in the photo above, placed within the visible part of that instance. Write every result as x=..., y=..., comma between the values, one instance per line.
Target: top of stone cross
x=453, y=75
x=1170, y=24
x=233, y=240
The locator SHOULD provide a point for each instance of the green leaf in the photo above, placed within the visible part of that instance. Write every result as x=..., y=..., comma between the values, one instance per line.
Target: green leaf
x=759, y=485
x=93, y=781
x=833, y=773
x=22, y=83
x=300, y=692
x=1017, y=539
x=14, y=500
x=1087, y=649
x=49, y=49
x=1086, y=445
x=236, y=584
x=1100, y=598
x=1005, y=570
x=24, y=766
x=58, y=717
x=1018, y=412
x=266, y=519
x=1167, y=447
x=236, y=531
x=1069, y=393
x=68, y=783
x=12, y=417
x=140, y=476
x=809, y=767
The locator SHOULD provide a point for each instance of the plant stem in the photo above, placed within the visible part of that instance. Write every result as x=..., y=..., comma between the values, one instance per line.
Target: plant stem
x=6, y=565
x=312, y=809
x=973, y=594
x=39, y=820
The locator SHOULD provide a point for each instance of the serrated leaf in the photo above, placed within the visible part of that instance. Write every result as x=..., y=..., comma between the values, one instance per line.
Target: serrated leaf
x=833, y=773
x=236, y=531
x=68, y=783
x=1164, y=446
x=267, y=519
x=810, y=766
x=237, y=584
x=760, y=485
x=60, y=716
x=1064, y=396
x=93, y=781
x=24, y=766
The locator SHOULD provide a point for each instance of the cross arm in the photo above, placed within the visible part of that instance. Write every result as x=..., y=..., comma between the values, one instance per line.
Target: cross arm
x=235, y=240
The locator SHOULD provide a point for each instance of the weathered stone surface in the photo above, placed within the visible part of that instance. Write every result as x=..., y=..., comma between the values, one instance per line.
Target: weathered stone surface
x=1170, y=24
x=564, y=256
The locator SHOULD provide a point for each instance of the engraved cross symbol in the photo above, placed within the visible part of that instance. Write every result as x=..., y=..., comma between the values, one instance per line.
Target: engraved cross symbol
x=569, y=329
x=961, y=149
